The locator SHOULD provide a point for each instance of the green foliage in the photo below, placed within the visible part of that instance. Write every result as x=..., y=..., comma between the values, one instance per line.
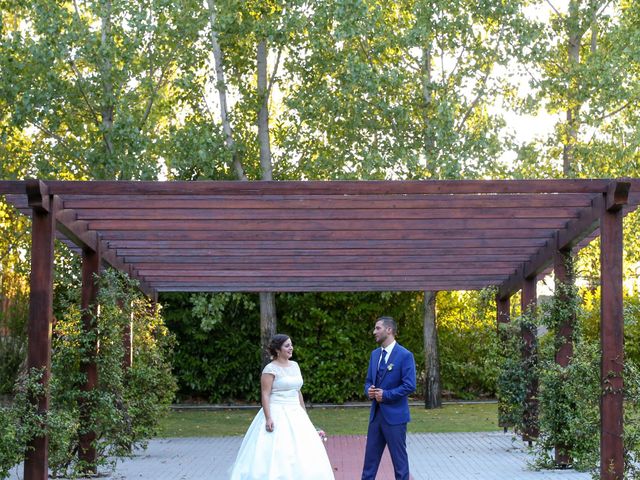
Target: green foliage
x=569, y=397
x=372, y=93
x=216, y=360
x=149, y=384
x=13, y=351
x=569, y=407
x=20, y=422
x=14, y=293
x=588, y=90
x=632, y=419
x=126, y=405
x=632, y=329
x=221, y=360
x=589, y=320
x=217, y=356
x=468, y=347
x=570, y=415
x=514, y=377
x=211, y=308
x=90, y=82
x=332, y=337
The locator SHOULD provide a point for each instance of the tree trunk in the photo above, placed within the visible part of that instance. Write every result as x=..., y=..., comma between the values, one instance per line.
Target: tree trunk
x=263, y=113
x=427, y=98
x=268, y=319
x=432, y=391
x=107, y=108
x=221, y=85
x=268, y=322
x=573, y=107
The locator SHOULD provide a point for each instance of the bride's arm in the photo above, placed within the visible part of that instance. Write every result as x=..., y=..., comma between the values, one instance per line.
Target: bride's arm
x=301, y=400
x=266, y=383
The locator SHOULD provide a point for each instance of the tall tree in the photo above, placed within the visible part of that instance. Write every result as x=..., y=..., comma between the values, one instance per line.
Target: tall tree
x=268, y=316
x=247, y=40
x=585, y=73
x=89, y=82
x=431, y=31
x=221, y=86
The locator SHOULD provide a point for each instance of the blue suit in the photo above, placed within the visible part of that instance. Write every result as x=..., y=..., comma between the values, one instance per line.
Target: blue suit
x=388, y=419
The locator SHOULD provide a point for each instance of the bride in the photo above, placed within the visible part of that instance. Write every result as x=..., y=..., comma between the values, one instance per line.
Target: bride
x=281, y=442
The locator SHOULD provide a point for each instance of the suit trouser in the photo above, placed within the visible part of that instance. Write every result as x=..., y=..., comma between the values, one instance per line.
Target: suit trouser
x=379, y=435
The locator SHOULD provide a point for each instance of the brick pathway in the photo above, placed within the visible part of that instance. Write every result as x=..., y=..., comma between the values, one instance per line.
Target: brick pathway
x=432, y=456
x=346, y=454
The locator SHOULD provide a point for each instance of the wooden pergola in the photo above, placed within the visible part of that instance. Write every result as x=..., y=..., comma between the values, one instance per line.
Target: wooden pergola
x=333, y=236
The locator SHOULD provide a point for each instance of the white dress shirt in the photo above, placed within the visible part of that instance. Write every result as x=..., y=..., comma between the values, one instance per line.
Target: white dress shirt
x=388, y=349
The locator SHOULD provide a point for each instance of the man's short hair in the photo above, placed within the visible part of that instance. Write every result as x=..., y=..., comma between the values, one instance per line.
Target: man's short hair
x=389, y=322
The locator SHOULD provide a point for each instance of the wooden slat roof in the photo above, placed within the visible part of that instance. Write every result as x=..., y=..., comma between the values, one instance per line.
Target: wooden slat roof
x=326, y=236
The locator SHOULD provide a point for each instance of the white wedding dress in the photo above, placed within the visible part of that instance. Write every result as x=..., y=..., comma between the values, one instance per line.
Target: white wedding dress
x=293, y=451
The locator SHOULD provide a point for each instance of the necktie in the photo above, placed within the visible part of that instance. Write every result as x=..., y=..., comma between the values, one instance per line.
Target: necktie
x=382, y=365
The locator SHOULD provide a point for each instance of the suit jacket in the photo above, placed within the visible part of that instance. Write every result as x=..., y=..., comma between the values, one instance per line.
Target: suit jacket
x=398, y=381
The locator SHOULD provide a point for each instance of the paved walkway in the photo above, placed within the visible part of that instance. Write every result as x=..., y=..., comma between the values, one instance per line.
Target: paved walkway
x=432, y=456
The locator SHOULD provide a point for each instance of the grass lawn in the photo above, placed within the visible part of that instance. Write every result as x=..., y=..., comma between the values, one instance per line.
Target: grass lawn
x=335, y=421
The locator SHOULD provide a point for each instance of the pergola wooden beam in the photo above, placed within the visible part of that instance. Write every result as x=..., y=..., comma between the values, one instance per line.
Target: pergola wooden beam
x=294, y=202
x=348, y=236
x=528, y=302
x=315, y=287
x=311, y=188
x=286, y=212
x=269, y=227
x=78, y=232
x=200, y=258
x=487, y=221
x=494, y=245
x=567, y=237
x=325, y=235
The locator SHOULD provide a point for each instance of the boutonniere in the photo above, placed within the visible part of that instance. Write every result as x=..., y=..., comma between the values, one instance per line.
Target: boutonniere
x=389, y=367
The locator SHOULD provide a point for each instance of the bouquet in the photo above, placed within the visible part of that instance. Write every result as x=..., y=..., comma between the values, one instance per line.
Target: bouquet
x=322, y=434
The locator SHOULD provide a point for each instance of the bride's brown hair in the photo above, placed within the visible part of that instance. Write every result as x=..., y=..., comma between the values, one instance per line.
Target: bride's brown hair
x=275, y=344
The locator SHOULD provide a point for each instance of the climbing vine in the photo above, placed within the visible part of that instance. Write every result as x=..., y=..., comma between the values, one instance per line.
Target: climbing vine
x=123, y=409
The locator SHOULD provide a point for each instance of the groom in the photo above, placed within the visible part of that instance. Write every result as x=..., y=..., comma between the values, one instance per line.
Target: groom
x=391, y=377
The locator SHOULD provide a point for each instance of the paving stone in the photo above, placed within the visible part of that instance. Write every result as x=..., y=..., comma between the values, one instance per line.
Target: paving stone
x=432, y=456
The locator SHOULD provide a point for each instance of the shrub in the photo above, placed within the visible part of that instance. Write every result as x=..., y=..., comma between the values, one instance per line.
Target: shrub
x=468, y=344
x=21, y=422
x=124, y=408
x=13, y=351
x=332, y=336
x=512, y=381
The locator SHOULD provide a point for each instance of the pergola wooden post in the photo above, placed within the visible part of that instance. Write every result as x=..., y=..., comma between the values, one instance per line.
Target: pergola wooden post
x=563, y=272
x=40, y=316
x=529, y=355
x=504, y=310
x=90, y=270
x=611, y=334
x=503, y=307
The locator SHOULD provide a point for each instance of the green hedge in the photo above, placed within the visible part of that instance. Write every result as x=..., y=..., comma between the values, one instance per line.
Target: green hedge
x=217, y=356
